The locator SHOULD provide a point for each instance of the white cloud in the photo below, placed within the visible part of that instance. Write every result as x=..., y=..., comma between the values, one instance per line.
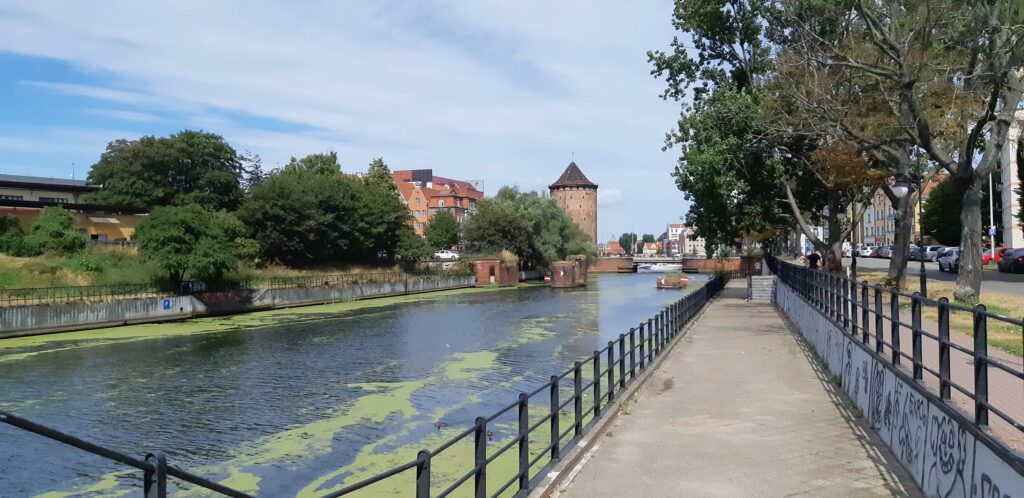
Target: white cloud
x=498, y=91
x=123, y=115
x=607, y=196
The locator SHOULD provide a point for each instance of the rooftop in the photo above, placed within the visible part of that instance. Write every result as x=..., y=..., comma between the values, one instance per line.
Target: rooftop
x=572, y=177
x=24, y=180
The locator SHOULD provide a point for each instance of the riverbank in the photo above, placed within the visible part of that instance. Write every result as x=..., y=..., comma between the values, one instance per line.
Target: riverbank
x=50, y=318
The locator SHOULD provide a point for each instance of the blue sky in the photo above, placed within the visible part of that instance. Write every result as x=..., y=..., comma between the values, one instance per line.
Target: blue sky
x=503, y=92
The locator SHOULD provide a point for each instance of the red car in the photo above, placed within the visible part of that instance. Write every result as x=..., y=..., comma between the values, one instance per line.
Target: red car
x=987, y=257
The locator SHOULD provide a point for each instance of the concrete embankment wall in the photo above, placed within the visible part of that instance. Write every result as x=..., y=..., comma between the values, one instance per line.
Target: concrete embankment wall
x=47, y=318
x=942, y=449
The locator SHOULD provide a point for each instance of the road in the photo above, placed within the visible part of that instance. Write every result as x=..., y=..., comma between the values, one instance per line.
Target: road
x=991, y=280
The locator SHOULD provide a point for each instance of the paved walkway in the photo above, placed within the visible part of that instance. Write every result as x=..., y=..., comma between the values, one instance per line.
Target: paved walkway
x=739, y=408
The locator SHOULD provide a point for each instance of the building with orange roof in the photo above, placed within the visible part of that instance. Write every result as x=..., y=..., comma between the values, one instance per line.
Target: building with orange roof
x=425, y=194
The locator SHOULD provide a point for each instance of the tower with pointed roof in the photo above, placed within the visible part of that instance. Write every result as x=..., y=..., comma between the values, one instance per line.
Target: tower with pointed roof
x=577, y=196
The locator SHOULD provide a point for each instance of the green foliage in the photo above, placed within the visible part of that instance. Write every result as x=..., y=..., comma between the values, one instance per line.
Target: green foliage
x=628, y=243
x=317, y=164
x=301, y=214
x=379, y=174
x=528, y=224
x=648, y=238
x=941, y=216
x=52, y=232
x=412, y=247
x=188, y=241
x=464, y=264
x=189, y=167
x=443, y=231
x=11, y=234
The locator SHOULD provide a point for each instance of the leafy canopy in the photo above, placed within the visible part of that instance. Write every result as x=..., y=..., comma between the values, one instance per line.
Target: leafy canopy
x=443, y=231
x=188, y=241
x=189, y=167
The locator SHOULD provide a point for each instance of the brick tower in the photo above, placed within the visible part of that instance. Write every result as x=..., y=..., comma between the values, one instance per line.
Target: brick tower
x=577, y=196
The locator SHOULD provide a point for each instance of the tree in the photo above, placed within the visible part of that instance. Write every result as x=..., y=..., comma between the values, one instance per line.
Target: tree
x=443, y=231
x=185, y=168
x=252, y=169
x=379, y=174
x=941, y=216
x=380, y=219
x=304, y=213
x=549, y=234
x=188, y=241
x=648, y=238
x=628, y=243
x=412, y=247
x=950, y=73
x=52, y=231
x=725, y=166
x=493, y=228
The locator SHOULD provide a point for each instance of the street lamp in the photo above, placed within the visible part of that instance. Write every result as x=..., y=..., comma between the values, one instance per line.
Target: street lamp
x=841, y=216
x=904, y=185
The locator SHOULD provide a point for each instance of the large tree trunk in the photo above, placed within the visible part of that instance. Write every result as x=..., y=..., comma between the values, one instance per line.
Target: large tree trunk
x=904, y=224
x=968, y=282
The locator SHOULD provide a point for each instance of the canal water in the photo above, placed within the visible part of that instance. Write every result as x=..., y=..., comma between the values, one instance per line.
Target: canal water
x=298, y=402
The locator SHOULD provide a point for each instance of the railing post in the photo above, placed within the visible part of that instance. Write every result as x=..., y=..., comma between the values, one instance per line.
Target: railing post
x=846, y=304
x=423, y=474
x=622, y=361
x=865, y=326
x=632, y=352
x=944, y=348
x=524, y=441
x=480, y=458
x=854, y=311
x=980, y=365
x=915, y=335
x=657, y=334
x=555, y=430
x=577, y=391
x=878, y=319
x=611, y=371
x=154, y=479
x=650, y=341
x=597, y=385
x=643, y=355
x=894, y=320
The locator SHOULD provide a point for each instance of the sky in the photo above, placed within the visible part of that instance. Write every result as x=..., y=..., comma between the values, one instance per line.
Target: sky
x=504, y=92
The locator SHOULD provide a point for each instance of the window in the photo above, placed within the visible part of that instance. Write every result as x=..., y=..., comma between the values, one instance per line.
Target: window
x=11, y=198
x=417, y=201
x=440, y=203
x=57, y=200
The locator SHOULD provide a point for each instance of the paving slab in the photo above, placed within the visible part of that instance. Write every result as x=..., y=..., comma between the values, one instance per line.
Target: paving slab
x=739, y=408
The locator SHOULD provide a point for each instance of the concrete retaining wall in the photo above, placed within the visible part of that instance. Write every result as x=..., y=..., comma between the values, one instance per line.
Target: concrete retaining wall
x=47, y=318
x=946, y=454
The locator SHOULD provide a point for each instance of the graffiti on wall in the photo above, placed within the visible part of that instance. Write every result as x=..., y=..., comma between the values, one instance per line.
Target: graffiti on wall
x=944, y=457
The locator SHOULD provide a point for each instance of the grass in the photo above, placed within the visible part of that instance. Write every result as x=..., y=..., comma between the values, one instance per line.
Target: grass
x=1001, y=335
x=114, y=265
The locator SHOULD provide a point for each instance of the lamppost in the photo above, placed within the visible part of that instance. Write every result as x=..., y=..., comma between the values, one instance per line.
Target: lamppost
x=904, y=185
x=841, y=216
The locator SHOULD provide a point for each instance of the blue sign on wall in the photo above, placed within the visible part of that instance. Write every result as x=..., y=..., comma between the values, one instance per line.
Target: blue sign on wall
x=167, y=304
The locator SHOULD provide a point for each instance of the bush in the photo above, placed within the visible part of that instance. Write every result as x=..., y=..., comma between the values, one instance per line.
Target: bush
x=52, y=231
x=11, y=234
x=188, y=241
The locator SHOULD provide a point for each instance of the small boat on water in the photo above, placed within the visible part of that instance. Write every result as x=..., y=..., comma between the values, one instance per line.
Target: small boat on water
x=665, y=267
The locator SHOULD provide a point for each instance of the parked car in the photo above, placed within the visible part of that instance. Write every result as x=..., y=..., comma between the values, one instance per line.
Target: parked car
x=446, y=254
x=914, y=253
x=950, y=260
x=865, y=252
x=987, y=257
x=1012, y=261
x=874, y=251
x=885, y=252
x=931, y=253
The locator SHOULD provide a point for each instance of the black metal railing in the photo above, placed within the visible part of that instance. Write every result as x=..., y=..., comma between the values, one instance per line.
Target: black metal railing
x=67, y=294
x=860, y=309
x=613, y=369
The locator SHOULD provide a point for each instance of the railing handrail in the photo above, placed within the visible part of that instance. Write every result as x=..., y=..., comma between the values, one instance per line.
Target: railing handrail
x=662, y=330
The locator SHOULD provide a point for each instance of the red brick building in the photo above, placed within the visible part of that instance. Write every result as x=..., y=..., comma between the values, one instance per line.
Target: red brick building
x=425, y=195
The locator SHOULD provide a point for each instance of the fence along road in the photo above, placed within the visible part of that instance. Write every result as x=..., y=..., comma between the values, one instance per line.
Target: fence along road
x=987, y=385
x=539, y=443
